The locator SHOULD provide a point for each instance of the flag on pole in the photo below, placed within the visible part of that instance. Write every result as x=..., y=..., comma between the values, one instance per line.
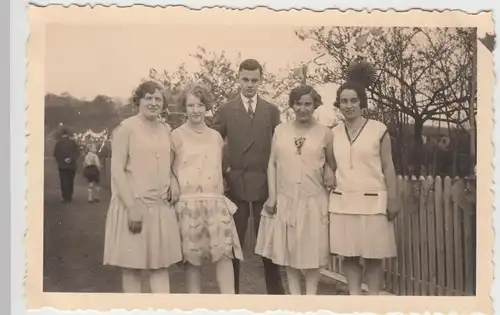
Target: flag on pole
x=152, y=73
x=300, y=73
x=304, y=72
x=297, y=72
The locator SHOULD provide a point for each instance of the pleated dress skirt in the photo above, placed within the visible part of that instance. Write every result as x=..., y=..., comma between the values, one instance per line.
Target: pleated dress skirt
x=297, y=235
x=353, y=233
x=157, y=246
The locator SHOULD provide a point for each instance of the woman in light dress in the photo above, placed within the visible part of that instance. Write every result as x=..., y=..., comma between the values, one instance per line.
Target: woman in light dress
x=363, y=204
x=205, y=216
x=295, y=219
x=141, y=227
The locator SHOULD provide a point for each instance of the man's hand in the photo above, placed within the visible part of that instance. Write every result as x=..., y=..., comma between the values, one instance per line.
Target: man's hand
x=392, y=208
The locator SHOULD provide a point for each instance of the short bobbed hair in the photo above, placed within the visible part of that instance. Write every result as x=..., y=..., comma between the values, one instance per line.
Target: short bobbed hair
x=198, y=90
x=147, y=87
x=358, y=88
x=298, y=92
x=250, y=65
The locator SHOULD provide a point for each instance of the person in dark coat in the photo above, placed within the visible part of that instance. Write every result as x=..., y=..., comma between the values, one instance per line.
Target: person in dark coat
x=247, y=123
x=66, y=153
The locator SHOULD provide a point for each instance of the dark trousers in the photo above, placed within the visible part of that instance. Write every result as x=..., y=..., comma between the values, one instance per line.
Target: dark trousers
x=67, y=179
x=271, y=270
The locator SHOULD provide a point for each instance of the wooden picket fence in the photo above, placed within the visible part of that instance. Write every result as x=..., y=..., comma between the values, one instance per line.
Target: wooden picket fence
x=435, y=236
x=436, y=239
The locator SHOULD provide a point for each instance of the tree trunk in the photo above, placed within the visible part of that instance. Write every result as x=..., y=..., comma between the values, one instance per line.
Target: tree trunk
x=472, y=117
x=417, y=146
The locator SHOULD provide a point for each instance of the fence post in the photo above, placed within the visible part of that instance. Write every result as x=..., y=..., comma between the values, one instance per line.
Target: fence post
x=435, y=242
x=424, y=236
x=469, y=214
x=416, y=186
x=407, y=230
x=449, y=237
x=457, y=190
x=440, y=242
x=431, y=228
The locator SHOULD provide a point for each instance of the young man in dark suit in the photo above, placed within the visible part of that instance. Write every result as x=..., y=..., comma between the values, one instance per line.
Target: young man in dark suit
x=247, y=123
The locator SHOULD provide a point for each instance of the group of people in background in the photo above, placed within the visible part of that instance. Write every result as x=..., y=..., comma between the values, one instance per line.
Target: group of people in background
x=67, y=154
x=313, y=191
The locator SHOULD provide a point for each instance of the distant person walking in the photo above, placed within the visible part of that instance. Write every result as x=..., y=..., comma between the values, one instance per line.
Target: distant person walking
x=66, y=153
x=92, y=171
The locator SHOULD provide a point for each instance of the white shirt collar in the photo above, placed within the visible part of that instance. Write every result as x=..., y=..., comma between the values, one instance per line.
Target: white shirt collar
x=245, y=101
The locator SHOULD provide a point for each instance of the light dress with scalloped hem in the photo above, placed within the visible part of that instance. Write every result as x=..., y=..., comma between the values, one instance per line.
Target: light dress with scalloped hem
x=205, y=215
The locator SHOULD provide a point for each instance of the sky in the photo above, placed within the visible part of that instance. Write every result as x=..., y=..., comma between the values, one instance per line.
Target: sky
x=87, y=60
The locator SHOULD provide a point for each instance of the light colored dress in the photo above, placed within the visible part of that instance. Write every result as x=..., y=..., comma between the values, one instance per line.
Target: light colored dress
x=358, y=205
x=147, y=171
x=297, y=235
x=205, y=215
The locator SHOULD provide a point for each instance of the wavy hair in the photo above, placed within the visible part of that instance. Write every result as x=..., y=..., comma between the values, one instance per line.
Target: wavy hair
x=200, y=91
x=298, y=92
x=148, y=87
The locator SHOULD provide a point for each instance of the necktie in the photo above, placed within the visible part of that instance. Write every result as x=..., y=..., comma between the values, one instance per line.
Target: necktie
x=250, y=109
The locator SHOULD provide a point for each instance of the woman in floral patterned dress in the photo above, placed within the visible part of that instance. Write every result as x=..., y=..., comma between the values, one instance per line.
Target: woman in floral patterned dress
x=205, y=216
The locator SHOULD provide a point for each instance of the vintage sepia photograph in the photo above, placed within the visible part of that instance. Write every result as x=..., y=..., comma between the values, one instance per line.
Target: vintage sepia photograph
x=328, y=159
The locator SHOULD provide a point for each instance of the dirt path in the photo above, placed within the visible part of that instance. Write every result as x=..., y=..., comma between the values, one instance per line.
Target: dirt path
x=73, y=247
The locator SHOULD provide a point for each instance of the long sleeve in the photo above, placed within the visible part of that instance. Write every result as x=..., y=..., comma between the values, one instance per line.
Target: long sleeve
x=66, y=149
x=56, y=154
x=219, y=122
x=225, y=157
x=75, y=150
x=276, y=118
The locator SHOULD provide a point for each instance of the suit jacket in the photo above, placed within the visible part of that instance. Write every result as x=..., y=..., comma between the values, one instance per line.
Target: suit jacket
x=248, y=146
x=66, y=148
